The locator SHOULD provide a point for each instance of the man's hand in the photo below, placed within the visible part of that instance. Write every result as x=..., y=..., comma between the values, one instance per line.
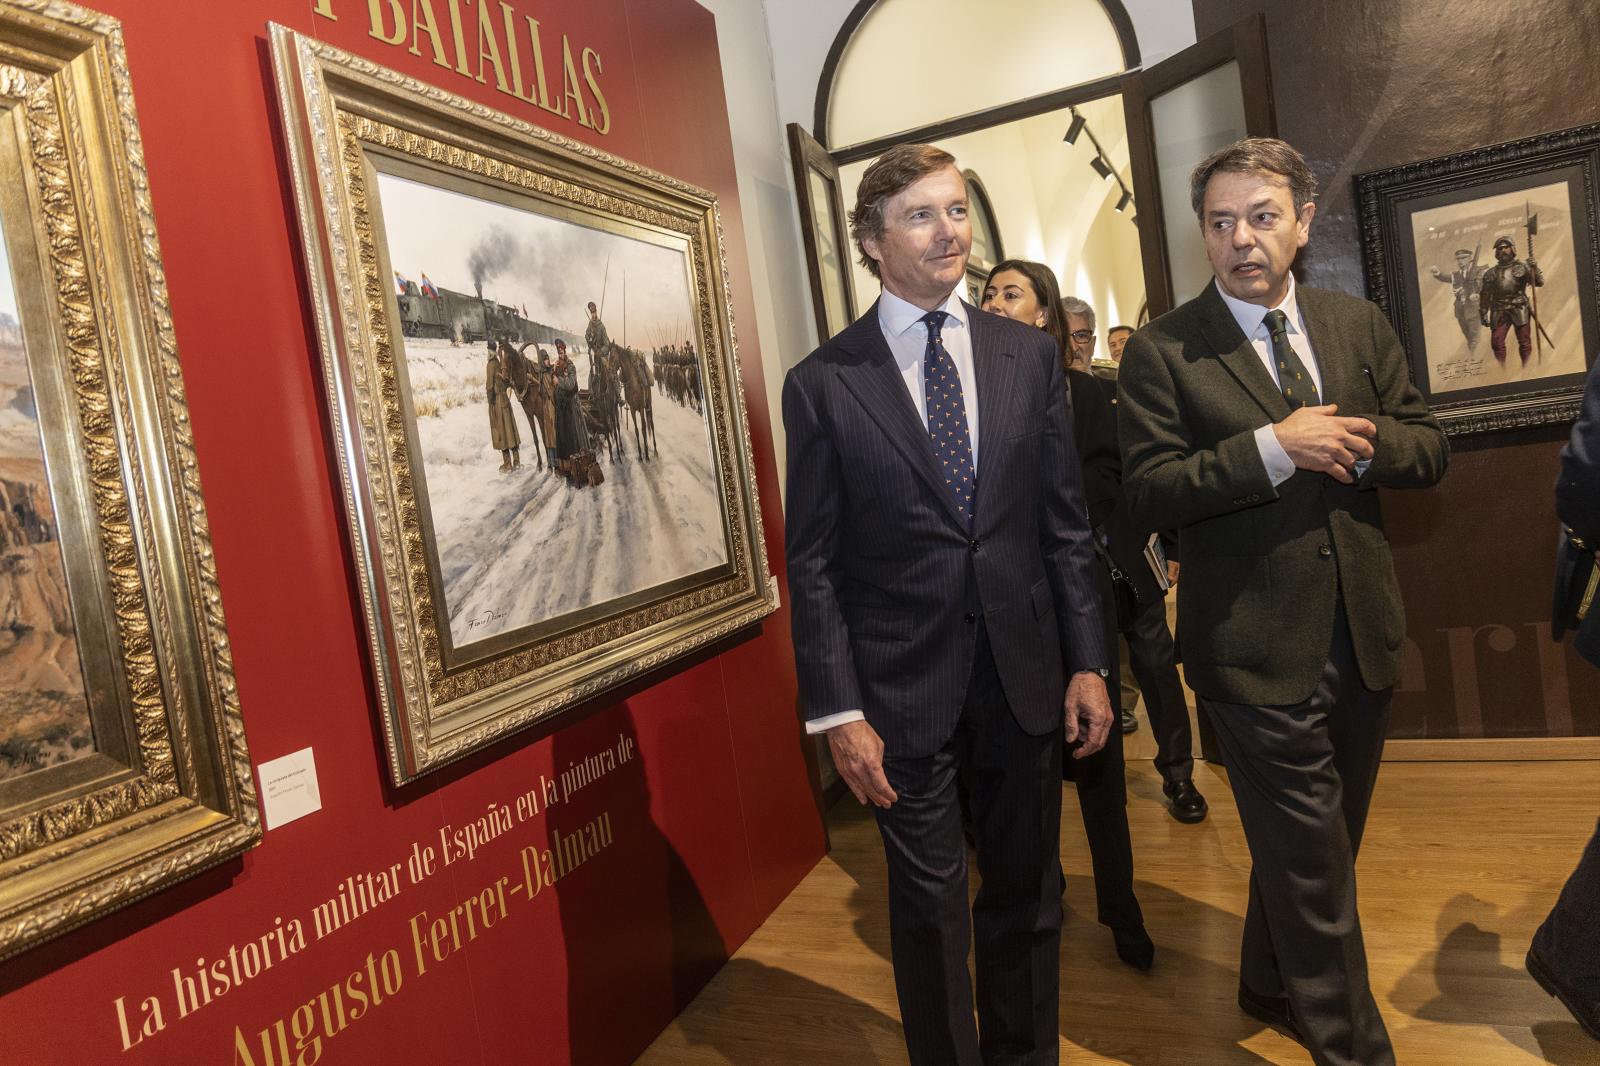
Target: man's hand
x=1315, y=438
x=858, y=756
x=1088, y=713
x=1172, y=573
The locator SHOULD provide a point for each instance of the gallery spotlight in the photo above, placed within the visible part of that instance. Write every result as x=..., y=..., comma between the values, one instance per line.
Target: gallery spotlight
x=1075, y=129
x=1125, y=200
x=1101, y=167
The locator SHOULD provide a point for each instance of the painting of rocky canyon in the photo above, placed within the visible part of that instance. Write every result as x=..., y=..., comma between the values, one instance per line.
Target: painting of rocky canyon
x=44, y=716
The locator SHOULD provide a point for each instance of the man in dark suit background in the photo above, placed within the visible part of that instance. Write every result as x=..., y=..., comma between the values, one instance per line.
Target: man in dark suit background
x=1565, y=955
x=944, y=611
x=1256, y=418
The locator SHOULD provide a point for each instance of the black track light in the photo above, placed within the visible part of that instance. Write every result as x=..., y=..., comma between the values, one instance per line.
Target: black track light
x=1075, y=129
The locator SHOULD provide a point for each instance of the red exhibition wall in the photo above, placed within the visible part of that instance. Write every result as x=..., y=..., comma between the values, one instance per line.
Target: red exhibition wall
x=714, y=816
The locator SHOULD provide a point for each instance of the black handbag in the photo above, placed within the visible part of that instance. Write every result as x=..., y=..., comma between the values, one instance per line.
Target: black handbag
x=1577, y=582
x=1125, y=597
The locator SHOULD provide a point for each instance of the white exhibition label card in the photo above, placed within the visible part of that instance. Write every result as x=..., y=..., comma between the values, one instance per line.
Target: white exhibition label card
x=289, y=788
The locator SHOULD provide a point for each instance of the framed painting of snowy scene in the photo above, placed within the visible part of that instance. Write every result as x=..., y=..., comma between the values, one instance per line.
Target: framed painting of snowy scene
x=1486, y=264
x=535, y=391
x=123, y=764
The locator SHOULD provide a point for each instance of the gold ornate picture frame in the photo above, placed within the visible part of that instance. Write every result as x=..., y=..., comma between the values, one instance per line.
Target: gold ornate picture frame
x=123, y=765
x=534, y=385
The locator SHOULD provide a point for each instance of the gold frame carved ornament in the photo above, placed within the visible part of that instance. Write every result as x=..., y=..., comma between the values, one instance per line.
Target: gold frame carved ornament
x=352, y=125
x=164, y=788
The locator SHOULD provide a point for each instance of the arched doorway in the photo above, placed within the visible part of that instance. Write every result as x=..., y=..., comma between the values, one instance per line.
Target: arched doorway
x=1047, y=125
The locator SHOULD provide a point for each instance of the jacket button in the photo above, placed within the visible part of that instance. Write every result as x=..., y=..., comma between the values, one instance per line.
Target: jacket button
x=1325, y=550
x=973, y=544
x=969, y=618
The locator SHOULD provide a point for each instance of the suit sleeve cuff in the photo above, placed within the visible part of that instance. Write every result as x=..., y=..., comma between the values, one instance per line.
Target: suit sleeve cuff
x=1280, y=467
x=828, y=721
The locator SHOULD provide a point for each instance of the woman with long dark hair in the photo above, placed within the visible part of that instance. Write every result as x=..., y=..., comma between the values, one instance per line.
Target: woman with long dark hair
x=1027, y=292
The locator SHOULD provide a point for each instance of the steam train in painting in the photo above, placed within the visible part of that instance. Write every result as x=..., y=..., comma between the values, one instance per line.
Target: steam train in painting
x=469, y=319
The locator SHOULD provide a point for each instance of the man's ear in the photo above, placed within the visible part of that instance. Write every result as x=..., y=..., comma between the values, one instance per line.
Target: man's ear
x=1303, y=221
x=870, y=246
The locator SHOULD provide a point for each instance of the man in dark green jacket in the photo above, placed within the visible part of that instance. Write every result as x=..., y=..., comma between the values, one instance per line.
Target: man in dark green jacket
x=1257, y=419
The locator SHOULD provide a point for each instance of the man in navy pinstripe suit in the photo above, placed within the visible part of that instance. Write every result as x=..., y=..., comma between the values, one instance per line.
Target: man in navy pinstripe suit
x=946, y=618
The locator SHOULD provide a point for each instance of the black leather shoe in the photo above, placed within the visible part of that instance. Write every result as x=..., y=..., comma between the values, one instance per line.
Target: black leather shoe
x=1134, y=947
x=1129, y=722
x=1587, y=1015
x=1185, y=801
x=1271, y=1011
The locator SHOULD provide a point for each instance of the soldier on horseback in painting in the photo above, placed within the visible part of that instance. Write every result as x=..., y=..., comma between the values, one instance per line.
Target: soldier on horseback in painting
x=1503, y=301
x=595, y=336
x=503, y=435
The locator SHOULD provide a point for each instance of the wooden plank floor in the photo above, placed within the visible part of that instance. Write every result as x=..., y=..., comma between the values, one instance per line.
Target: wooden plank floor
x=1460, y=864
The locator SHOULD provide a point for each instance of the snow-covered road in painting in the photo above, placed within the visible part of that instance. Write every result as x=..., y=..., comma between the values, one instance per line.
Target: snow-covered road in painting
x=522, y=547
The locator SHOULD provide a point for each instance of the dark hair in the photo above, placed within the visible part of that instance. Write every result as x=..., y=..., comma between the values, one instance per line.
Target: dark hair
x=1118, y=329
x=898, y=168
x=1255, y=155
x=1048, y=293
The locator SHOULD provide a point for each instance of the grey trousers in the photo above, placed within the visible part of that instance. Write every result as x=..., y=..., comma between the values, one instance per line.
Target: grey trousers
x=1302, y=779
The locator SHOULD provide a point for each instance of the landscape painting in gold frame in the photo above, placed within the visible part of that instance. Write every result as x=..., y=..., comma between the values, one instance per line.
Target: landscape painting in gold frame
x=534, y=385
x=123, y=765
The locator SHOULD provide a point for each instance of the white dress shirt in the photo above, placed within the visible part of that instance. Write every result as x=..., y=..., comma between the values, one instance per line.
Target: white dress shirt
x=1251, y=319
x=907, y=335
x=902, y=326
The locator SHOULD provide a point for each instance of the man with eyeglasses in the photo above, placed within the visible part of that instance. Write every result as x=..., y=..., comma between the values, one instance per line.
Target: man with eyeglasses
x=1079, y=317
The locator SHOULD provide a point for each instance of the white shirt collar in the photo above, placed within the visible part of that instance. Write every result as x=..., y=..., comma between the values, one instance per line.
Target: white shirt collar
x=895, y=315
x=1249, y=315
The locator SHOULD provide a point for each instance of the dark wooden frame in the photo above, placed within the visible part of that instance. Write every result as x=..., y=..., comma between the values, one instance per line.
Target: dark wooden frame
x=1385, y=199
x=977, y=120
x=1245, y=42
x=1056, y=100
x=979, y=196
x=807, y=156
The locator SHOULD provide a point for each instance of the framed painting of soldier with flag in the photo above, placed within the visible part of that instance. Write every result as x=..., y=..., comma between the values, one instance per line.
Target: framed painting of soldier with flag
x=534, y=384
x=1485, y=263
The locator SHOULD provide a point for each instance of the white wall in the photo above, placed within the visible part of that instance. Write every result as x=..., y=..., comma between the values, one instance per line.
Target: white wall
x=783, y=328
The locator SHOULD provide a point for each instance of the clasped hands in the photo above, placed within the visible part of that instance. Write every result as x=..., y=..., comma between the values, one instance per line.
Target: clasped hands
x=1317, y=438
x=858, y=750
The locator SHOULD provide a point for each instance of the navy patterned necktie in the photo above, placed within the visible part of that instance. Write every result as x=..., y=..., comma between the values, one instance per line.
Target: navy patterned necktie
x=947, y=417
x=1298, y=386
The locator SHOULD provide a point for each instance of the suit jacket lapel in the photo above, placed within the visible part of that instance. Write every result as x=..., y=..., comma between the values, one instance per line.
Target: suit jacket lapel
x=994, y=368
x=1238, y=355
x=1333, y=362
x=874, y=379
